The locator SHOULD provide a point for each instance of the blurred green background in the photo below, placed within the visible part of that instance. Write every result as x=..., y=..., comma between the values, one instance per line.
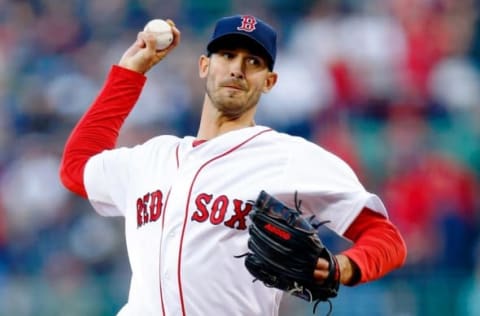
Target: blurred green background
x=391, y=86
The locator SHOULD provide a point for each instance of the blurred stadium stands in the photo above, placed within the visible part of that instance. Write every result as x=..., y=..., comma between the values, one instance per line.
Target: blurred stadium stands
x=391, y=86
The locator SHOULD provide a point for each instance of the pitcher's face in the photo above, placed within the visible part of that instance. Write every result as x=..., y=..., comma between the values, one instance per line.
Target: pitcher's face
x=235, y=80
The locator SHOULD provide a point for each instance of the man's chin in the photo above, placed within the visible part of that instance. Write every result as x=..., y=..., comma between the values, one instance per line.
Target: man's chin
x=231, y=100
x=231, y=109
x=232, y=93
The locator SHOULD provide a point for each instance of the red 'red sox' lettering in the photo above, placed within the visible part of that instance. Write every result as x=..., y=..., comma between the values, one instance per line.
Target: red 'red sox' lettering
x=240, y=214
x=216, y=209
x=150, y=206
x=201, y=202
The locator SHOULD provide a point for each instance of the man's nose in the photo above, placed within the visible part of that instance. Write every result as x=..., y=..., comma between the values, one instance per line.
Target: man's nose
x=237, y=69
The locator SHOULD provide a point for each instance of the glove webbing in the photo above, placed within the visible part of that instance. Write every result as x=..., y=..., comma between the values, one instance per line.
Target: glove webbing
x=278, y=210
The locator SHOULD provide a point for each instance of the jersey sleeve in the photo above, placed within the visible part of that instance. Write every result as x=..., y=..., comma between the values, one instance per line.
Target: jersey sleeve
x=112, y=176
x=332, y=190
x=106, y=176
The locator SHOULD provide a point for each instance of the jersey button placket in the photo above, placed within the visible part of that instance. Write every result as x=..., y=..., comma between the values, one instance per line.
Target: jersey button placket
x=170, y=245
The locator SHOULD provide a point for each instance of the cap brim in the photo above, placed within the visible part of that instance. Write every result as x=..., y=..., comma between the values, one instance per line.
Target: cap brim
x=240, y=40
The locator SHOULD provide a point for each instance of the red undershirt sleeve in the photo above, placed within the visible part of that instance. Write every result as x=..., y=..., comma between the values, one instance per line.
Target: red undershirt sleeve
x=99, y=127
x=378, y=246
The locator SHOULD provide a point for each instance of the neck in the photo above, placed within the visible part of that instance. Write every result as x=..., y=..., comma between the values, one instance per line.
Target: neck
x=213, y=123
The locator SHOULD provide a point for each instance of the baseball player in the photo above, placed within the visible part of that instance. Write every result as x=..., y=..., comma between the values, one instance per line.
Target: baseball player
x=185, y=200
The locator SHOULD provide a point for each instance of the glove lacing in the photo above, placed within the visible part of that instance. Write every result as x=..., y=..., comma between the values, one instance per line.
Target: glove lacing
x=298, y=287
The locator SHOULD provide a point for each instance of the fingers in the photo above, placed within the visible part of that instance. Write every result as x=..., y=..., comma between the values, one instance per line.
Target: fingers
x=143, y=55
x=321, y=271
x=176, y=34
x=150, y=41
x=147, y=41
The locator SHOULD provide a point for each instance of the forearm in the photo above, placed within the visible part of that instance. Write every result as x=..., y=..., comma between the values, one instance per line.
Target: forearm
x=377, y=250
x=99, y=128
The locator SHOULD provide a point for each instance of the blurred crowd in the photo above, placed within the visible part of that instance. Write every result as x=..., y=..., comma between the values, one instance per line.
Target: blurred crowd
x=390, y=86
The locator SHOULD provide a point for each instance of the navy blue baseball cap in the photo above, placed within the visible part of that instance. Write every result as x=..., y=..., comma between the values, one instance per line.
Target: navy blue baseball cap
x=245, y=30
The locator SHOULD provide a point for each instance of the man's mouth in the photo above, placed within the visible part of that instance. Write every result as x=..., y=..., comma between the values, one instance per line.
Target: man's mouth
x=234, y=86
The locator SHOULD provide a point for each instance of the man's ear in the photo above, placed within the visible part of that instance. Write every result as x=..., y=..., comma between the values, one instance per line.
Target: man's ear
x=270, y=81
x=203, y=64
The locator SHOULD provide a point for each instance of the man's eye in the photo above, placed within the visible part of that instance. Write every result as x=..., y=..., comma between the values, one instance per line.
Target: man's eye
x=254, y=61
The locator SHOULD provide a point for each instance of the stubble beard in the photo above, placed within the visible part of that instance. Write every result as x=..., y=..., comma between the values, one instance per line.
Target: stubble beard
x=230, y=104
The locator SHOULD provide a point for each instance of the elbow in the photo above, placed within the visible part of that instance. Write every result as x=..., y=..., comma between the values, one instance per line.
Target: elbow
x=71, y=176
x=402, y=251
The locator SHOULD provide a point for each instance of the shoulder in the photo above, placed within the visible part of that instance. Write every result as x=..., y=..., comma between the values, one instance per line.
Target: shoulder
x=307, y=153
x=161, y=140
x=163, y=143
x=297, y=144
x=282, y=139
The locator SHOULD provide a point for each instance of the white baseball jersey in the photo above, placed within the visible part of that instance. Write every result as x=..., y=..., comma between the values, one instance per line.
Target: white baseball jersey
x=186, y=208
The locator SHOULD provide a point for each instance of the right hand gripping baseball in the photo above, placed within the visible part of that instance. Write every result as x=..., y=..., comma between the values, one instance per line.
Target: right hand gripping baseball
x=142, y=55
x=284, y=249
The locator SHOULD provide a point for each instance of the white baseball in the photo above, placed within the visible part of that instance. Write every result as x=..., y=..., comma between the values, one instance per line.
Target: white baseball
x=162, y=30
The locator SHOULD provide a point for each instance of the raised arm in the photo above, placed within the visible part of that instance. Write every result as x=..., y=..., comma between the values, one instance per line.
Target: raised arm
x=99, y=127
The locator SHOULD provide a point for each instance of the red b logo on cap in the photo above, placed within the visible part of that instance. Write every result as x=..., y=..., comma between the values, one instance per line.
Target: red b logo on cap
x=248, y=23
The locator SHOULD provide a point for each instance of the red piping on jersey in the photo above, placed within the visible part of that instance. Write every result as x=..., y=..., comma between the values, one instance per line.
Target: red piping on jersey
x=188, y=206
